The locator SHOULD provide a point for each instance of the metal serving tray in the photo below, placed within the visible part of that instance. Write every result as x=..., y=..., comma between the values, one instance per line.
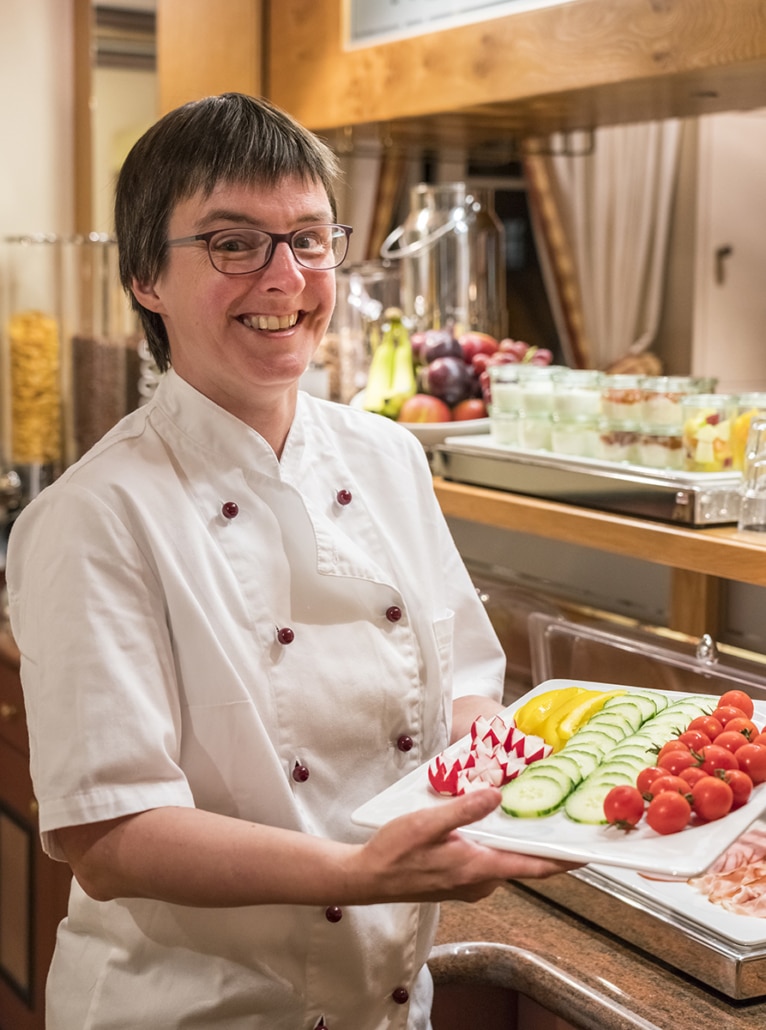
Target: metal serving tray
x=705, y=949
x=689, y=498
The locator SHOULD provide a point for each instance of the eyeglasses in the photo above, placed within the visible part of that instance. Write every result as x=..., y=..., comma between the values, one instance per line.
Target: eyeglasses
x=241, y=250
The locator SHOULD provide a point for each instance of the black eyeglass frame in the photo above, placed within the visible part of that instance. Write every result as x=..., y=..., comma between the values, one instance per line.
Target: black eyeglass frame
x=275, y=237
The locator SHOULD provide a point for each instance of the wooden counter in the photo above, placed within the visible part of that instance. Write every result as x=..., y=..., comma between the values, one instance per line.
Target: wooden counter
x=699, y=558
x=520, y=942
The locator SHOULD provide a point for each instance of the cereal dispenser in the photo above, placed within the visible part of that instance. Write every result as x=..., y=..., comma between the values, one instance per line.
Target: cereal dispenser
x=101, y=342
x=33, y=361
x=69, y=352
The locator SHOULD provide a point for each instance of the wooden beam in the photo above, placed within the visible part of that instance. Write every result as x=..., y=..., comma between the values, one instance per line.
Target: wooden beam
x=82, y=13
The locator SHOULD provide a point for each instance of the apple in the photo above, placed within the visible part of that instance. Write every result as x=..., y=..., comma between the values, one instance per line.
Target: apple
x=471, y=408
x=422, y=407
x=439, y=343
x=474, y=342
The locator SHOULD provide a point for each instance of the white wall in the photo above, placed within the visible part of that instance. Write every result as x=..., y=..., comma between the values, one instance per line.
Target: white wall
x=36, y=114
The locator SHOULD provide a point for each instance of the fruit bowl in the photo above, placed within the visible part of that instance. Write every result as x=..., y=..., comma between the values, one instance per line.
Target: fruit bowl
x=432, y=433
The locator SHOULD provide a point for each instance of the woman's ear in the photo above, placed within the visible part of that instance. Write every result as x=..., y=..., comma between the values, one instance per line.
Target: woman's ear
x=146, y=295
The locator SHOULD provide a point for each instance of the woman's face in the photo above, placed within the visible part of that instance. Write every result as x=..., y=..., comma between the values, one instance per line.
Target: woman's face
x=243, y=340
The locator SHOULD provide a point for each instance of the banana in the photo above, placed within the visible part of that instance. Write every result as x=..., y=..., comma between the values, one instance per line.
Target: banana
x=391, y=378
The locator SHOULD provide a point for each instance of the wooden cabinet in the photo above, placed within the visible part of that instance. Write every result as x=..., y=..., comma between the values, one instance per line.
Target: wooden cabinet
x=33, y=889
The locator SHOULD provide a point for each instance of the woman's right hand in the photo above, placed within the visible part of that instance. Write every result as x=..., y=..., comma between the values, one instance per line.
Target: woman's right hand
x=422, y=857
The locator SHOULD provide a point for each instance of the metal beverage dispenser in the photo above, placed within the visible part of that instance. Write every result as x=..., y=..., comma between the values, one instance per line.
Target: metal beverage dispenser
x=452, y=255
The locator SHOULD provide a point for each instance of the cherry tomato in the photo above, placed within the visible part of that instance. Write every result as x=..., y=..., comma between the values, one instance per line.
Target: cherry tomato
x=741, y=786
x=725, y=714
x=738, y=699
x=647, y=776
x=676, y=761
x=672, y=745
x=668, y=782
x=695, y=739
x=743, y=725
x=715, y=757
x=752, y=759
x=760, y=739
x=668, y=812
x=707, y=724
x=624, y=806
x=712, y=798
x=731, y=740
x=692, y=774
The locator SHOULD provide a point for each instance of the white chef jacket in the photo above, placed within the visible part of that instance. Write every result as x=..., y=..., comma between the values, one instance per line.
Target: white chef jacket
x=204, y=625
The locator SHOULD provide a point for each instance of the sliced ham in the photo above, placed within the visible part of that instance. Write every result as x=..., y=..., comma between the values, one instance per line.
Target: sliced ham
x=737, y=880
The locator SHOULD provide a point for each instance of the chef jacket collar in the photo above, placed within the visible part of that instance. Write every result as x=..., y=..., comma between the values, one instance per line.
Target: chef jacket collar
x=217, y=431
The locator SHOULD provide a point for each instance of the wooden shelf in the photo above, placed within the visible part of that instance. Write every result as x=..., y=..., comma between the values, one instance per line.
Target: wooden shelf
x=591, y=63
x=699, y=558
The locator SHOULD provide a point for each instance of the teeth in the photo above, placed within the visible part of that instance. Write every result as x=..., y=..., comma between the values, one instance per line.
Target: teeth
x=271, y=321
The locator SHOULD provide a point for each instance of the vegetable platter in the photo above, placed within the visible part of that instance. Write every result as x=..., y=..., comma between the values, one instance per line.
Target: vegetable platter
x=683, y=854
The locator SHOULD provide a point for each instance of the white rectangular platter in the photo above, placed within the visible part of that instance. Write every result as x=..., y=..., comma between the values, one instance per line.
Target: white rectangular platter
x=679, y=855
x=688, y=905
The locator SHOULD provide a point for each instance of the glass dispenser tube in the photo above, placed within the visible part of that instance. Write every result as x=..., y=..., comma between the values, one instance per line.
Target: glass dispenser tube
x=102, y=342
x=33, y=360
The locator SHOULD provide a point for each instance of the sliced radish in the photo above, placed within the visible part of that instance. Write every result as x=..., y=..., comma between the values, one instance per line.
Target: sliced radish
x=497, y=752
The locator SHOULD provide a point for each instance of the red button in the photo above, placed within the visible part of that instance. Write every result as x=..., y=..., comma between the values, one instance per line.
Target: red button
x=230, y=509
x=285, y=635
x=404, y=743
x=333, y=914
x=343, y=497
x=300, y=773
x=400, y=995
x=394, y=613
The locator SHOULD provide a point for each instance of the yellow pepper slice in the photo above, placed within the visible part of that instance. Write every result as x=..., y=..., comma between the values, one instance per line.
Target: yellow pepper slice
x=550, y=731
x=576, y=717
x=531, y=716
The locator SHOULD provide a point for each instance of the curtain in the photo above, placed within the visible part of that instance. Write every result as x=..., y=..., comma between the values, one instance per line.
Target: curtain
x=603, y=219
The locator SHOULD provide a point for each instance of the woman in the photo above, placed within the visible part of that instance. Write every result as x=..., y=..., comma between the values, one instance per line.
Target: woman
x=241, y=615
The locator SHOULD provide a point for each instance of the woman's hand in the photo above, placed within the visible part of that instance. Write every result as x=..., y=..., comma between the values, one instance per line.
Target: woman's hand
x=421, y=857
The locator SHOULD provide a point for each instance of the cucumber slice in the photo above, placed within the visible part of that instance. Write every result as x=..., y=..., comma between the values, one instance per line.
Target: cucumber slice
x=586, y=805
x=532, y=796
x=646, y=705
x=632, y=749
x=587, y=760
x=631, y=715
x=599, y=740
x=565, y=763
x=623, y=763
x=546, y=767
x=611, y=777
x=614, y=718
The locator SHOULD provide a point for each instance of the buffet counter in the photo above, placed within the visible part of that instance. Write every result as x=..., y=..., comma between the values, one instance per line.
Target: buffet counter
x=520, y=942
x=699, y=558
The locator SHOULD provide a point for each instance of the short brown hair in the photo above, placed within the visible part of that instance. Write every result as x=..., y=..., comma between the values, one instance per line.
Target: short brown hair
x=231, y=138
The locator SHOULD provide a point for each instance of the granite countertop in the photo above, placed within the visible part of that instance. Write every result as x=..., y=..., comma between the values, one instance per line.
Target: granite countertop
x=519, y=940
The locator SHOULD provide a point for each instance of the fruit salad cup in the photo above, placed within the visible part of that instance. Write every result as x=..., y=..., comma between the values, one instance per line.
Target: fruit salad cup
x=707, y=423
x=749, y=405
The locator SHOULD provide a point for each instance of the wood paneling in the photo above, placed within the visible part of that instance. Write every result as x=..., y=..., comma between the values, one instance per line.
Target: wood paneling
x=206, y=47
x=586, y=63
